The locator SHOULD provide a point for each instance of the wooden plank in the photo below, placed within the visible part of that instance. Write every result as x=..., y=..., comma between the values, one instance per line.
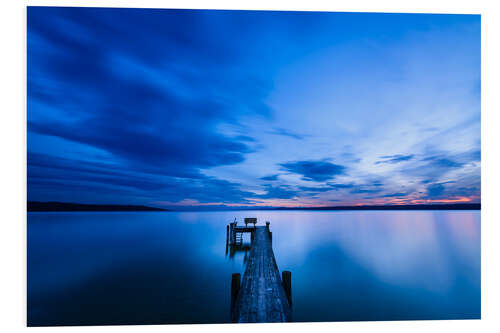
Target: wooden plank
x=262, y=298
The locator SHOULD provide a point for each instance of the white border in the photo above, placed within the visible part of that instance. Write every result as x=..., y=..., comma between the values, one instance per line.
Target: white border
x=13, y=143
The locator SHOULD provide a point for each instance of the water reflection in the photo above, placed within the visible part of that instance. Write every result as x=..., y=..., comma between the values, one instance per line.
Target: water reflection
x=133, y=268
x=244, y=249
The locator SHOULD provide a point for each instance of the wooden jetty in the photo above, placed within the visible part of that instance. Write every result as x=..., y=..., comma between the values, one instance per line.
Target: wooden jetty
x=262, y=296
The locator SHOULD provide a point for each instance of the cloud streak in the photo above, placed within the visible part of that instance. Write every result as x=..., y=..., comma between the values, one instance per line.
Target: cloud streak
x=287, y=133
x=392, y=159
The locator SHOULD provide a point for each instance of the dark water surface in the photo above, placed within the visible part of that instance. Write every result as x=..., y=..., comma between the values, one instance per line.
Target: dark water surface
x=172, y=267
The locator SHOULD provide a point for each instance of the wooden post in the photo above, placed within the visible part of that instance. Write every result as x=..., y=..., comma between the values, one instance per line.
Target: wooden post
x=235, y=287
x=269, y=231
x=227, y=238
x=286, y=276
x=231, y=233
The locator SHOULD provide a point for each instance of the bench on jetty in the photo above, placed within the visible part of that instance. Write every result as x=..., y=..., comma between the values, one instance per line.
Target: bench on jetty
x=234, y=232
x=262, y=296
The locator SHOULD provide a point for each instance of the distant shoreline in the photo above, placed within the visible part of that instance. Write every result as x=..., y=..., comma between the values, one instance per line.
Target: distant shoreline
x=34, y=206
x=471, y=206
x=395, y=207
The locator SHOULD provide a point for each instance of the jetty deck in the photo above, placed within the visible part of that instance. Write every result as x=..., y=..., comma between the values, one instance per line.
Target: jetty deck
x=263, y=296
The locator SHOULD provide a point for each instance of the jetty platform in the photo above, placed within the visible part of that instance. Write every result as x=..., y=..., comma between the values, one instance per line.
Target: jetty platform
x=263, y=295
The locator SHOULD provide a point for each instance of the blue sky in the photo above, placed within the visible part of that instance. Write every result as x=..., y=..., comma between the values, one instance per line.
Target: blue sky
x=259, y=108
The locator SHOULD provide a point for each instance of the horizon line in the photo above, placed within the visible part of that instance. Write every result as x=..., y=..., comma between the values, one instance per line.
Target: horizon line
x=47, y=206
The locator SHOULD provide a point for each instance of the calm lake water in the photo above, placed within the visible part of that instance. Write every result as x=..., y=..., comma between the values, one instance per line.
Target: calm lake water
x=172, y=267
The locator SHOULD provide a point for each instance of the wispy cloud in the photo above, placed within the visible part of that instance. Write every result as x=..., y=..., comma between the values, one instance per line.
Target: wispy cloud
x=392, y=159
x=287, y=133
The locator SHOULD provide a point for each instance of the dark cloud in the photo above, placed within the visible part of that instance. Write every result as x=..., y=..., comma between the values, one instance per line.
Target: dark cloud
x=83, y=181
x=314, y=170
x=173, y=154
x=92, y=65
x=452, y=189
x=435, y=190
x=442, y=162
x=270, y=178
x=392, y=159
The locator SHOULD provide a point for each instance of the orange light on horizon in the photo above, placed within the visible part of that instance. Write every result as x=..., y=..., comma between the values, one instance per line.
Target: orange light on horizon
x=458, y=200
x=308, y=204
